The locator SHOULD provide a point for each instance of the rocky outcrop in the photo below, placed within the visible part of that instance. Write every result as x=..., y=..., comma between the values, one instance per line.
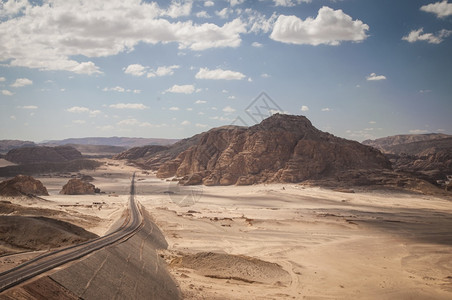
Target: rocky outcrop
x=282, y=148
x=140, y=152
x=22, y=185
x=7, y=145
x=427, y=156
x=30, y=155
x=78, y=187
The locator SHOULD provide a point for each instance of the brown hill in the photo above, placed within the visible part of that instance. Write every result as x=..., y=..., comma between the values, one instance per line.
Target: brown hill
x=6, y=145
x=282, y=148
x=78, y=187
x=22, y=185
x=30, y=155
x=428, y=156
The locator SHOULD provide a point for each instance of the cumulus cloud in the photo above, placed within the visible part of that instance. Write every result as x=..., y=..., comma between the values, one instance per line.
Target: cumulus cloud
x=200, y=101
x=78, y=109
x=57, y=35
x=235, y=2
x=2, y=79
x=304, y=108
x=185, y=123
x=163, y=71
x=120, y=89
x=418, y=35
x=256, y=44
x=135, y=70
x=375, y=77
x=181, y=89
x=330, y=27
x=440, y=9
x=289, y=3
x=20, y=82
x=174, y=108
x=205, y=73
x=128, y=122
x=139, y=106
x=209, y=3
x=228, y=109
x=82, y=109
x=7, y=93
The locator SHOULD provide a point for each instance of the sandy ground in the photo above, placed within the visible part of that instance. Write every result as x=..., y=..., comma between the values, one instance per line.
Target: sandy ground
x=281, y=241
x=363, y=245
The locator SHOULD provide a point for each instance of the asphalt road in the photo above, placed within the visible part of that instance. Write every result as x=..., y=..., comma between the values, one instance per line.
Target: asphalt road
x=57, y=258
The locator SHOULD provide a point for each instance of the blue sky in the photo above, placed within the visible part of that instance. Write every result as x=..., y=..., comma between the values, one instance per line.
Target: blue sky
x=356, y=68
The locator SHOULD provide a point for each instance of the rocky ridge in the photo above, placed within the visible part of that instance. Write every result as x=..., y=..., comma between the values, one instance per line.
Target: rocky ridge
x=282, y=148
x=31, y=155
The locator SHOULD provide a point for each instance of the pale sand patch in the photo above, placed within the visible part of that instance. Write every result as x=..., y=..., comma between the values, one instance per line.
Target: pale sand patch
x=366, y=245
x=5, y=163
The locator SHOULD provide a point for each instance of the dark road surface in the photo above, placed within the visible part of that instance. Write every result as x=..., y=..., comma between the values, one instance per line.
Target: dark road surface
x=57, y=258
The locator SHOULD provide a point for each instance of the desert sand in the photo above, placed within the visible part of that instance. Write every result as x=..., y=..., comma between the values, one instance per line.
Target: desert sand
x=278, y=241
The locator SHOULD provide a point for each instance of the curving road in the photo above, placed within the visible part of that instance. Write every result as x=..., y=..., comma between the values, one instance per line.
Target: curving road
x=57, y=258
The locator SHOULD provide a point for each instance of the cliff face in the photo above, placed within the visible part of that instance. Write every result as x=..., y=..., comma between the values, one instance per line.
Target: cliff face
x=30, y=155
x=282, y=148
x=22, y=185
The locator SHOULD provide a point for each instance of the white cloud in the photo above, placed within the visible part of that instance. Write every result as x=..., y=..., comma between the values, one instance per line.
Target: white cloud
x=174, y=108
x=135, y=70
x=375, y=77
x=200, y=125
x=265, y=75
x=418, y=35
x=78, y=109
x=231, y=97
x=203, y=14
x=224, y=13
x=200, y=101
x=289, y=3
x=326, y=109
x=228, y=109
x=80, y=122
x=182, y=89
x=82, y=109
x=163, y=71
x=372, y=122
x=128, y=122
x=59, y=34
x=28, y=107
x=115, y=89
x=205, y=73
x=235, y=2
x=440, y=9
x=178, y=9
x=209, y=3
x=139, y=106
x=185, y=123
x=2, y=79
x=256, y=44
x=12, y=117
x=304, y=108
x=258, y=22
x=20, y=82
x=418, y=131
x=7, y=93
x=330, y=27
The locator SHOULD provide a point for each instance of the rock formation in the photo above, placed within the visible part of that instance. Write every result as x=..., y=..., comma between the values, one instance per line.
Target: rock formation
x=30, y=155
x=427, y=156
x=78, y=187
x=22, y=185
x=282, y=148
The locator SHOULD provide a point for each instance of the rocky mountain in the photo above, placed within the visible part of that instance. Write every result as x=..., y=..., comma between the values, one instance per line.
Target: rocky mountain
x=30, y=155
x=78, y=187
x=22, y=185
x=113, y=141
x=6, y=145
x=428, y=156
x=282, y=148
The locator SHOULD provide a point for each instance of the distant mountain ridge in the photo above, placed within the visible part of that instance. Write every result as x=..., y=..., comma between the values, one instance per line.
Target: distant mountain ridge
x=391, y=144
x=126, y=142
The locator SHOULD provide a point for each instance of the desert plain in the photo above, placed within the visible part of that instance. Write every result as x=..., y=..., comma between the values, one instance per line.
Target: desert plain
x=274, y=241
